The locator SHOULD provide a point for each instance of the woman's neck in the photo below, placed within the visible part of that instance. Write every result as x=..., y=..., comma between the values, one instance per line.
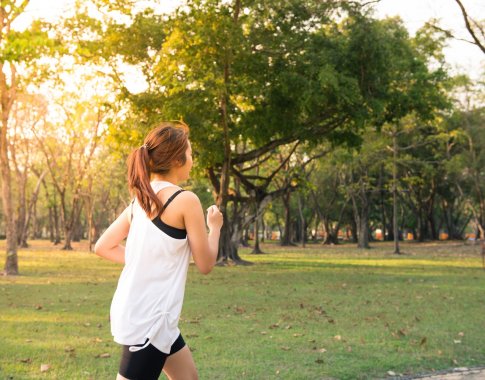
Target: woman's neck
x=167, y=178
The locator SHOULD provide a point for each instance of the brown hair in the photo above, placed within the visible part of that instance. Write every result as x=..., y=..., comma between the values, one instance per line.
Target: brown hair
x=163, y=146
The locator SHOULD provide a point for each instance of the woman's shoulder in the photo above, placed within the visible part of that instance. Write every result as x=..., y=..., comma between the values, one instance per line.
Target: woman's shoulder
x=189, y=196
x=182, y=196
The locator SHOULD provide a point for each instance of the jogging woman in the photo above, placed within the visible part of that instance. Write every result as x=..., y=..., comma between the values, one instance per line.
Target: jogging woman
x=164, y=225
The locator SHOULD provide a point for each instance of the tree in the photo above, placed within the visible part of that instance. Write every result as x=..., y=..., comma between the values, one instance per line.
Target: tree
x=27, y=111
x=253, y=79
x=230, y=69
x=17, y=48
x=69, y=149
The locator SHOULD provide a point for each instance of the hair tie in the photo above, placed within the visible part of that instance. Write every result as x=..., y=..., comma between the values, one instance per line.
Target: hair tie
x=144, y=146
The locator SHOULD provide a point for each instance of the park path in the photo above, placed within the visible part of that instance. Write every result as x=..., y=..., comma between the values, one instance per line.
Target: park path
x=464, y=373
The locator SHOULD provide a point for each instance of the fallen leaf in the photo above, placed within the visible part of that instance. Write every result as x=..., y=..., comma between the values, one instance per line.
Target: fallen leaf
x=337, y=337
x=322, y=350
x=45, y=367
x=38, y=307
x=104, y=356
x=391, y=373
x=287, y=327
x=319, y=361
x=424, y=340
x=69, y=349
x=461, y=334
x=274, y=326
x=27, y=360
x=285, y=348
x=456, y=341
x=263, y=332
x=349, y=349
x=297, y=335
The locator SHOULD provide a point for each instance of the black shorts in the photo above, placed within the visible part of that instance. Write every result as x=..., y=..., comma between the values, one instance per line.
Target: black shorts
x=146, y=364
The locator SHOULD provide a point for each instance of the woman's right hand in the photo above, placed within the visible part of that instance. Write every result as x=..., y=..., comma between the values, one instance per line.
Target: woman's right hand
x=214, y=218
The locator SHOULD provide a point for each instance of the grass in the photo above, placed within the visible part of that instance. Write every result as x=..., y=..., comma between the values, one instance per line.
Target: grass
x=314, y=313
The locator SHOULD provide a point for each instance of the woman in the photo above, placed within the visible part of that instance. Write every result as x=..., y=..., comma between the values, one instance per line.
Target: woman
x=163, y=225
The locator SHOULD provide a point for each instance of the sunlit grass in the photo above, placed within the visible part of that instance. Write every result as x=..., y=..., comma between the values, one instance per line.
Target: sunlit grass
x=315, y=313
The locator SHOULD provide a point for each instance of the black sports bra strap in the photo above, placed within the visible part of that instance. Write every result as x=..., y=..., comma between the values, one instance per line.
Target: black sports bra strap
x=172, y=197
x=131, y=212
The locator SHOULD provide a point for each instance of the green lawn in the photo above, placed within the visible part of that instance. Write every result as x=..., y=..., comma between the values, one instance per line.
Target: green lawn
x=314, y=313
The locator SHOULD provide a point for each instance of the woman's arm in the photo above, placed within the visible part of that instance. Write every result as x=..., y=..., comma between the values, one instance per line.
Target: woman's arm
x=204, y=246
x=108, y=245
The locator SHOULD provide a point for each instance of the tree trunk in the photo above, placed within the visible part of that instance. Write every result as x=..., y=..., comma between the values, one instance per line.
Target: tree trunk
x=11, y=262
x=361, y=218
x=363, y=225
x=302, y=221
x=245, y=238
x=57, y=227
x=7, y=98
x=67, y=239
x=22, y=209
x=383, y=203
x=395, y=223
x=256, y=249
x=263, y=228
x=286, y=239
x=30, y=212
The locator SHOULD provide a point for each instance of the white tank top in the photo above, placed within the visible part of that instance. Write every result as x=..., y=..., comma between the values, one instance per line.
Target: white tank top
x=148, y=300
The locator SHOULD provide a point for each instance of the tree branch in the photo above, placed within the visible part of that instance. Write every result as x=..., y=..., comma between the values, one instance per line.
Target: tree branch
x=469, y=27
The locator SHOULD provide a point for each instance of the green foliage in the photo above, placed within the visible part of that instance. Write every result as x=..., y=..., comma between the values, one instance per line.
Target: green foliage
x=27, y=45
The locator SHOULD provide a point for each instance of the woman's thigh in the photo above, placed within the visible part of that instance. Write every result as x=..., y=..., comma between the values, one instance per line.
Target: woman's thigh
x=181, y=366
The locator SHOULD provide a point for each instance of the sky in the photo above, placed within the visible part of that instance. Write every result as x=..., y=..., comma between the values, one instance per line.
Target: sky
x=461, y=56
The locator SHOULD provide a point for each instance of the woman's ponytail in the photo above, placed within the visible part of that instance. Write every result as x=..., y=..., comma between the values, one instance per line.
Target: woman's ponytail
x=139, y=181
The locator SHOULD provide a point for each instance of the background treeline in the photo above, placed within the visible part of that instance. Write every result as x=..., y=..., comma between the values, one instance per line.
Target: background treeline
x=309, y=120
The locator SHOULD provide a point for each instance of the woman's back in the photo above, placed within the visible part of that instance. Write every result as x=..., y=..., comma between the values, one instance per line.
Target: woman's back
x=148, y=300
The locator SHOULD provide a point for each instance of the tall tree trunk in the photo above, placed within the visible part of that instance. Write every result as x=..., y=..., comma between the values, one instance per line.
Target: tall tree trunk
x=363, y=225
x=22, y=208
x=361, y=218
x=382, y=203
x=67, y=239
x=286, y=239
x=30, y=211
x=70, y=224
x=302, y=221
x=256, y=249
x=11, y=262
x=8, y=95
x=263, y=229
x=395, y=223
